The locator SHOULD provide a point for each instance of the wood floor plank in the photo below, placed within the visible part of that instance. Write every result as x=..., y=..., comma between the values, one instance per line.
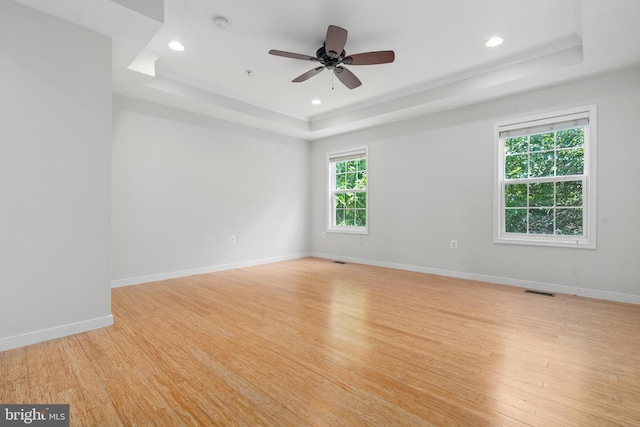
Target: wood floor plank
x=14, y=376
x=312, y=342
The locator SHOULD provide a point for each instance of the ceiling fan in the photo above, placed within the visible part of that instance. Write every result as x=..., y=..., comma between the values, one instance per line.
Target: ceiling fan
x=332, y=56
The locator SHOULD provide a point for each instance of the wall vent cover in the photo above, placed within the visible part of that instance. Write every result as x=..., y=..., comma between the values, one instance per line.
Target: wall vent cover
x=545, y=294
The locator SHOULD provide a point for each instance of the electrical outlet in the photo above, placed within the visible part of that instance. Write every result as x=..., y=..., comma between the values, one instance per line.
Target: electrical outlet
x=323, y=234
x=233, y=240
x=454, y=244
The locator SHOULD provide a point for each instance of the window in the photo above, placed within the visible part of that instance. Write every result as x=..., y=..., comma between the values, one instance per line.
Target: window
x=348, y=191
x=546, y=180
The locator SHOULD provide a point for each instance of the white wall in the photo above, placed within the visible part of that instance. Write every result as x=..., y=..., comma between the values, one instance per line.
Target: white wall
x=55, y=127
x=183, y=184
x=431, y=181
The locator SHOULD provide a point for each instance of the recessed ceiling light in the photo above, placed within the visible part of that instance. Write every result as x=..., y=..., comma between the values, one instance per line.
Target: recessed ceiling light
x=176, y=45
x=316, y=102
x=494, y=41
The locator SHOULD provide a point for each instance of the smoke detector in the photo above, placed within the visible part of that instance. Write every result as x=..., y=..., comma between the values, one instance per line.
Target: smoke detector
x=220, y=22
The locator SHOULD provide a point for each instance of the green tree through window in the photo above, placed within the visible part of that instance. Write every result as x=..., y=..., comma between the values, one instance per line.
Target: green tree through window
x=348, y=191
x=546, y=179
x=534, y=205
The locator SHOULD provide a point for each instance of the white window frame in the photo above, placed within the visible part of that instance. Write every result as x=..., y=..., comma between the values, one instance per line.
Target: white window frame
x=533, y=125
x=332, y=158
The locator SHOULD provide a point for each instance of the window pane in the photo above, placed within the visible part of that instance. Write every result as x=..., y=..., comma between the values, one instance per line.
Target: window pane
x=570, y=138
x=569, y=193
x=515, y=145
x=352, y=165
x=516, y=166
x=542, y=164
x=361, y=217
x=541, y=221
x=362, y=164
x=341, y=167
x=349, y=200
x=361, y=179
x=516, y=220
x=361, y=200
x=341, y=181
x=541, y=142
x=515, y=195
x=351, y=180
x=541, y=194
x=350, y=217
x=340, y=201
x=570, y=162
x=340, y=217
x=569, y=222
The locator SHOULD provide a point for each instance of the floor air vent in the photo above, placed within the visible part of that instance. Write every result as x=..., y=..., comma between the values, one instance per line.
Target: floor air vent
x=544, y=294
x=339, y=262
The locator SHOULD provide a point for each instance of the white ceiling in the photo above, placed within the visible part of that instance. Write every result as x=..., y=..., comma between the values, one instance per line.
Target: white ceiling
x=441, y=60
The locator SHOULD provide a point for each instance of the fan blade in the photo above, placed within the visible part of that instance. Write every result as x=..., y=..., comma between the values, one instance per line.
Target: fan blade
x=336, y=39
x=370, y=58
x=292, y=55
x=347, y=77
x=307, y=75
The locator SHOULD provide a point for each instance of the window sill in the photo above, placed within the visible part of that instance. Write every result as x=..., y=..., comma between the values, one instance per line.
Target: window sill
x=559, y=242
x=349, y=230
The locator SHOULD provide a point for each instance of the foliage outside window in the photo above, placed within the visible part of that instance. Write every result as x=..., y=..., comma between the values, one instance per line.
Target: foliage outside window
x=546, y=180
x=348, y=191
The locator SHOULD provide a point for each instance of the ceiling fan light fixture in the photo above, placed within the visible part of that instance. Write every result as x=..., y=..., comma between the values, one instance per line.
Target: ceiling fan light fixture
x=176, y=45
x=494, y=41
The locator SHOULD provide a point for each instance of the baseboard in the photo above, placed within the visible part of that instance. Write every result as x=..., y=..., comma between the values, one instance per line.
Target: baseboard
x=527, y=284
x=378, y=263
x=540, y=286
x=35, y=337
x=211, y=269
x=610, y=296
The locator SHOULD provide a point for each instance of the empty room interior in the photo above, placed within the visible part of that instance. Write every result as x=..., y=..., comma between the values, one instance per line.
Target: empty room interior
x=320, y=213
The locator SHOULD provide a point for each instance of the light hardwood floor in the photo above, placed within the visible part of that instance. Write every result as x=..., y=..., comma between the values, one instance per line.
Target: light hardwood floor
x=311, y=342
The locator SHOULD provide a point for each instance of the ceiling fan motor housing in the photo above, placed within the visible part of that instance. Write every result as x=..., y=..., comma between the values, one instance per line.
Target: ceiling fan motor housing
x=331, y=62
